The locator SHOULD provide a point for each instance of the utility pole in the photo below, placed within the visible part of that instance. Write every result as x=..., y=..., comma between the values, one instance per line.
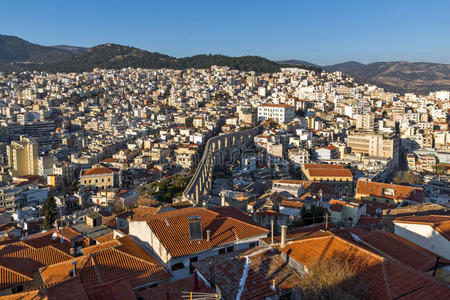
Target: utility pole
x=326, y=221
x=271, y=231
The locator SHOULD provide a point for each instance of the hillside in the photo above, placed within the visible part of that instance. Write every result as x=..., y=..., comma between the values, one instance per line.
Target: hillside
x=71, y=49
x=296, y=62
x=405, y=76
x=17, y=50
x=344, y=67
x=19, y=55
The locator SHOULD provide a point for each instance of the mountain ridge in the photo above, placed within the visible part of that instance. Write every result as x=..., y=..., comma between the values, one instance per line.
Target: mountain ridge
x=397, y=76
x=63, y=58
x=17, y=55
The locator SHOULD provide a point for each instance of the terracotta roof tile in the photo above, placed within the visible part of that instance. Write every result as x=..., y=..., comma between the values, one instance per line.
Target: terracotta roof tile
x=385, y=278
x=172, y=229
x=107, y=265
x=400, y=249
x=337, y=205
x=265, y=266
x=10, y=278
x=98, y=171
x=378, y=189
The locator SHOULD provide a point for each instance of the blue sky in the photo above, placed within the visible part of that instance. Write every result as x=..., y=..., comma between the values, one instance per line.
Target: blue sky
x=319, y=31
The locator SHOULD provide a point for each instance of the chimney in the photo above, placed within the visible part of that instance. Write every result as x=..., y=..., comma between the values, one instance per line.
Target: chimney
x=283, y=236
x=208, y=235
x=74, y=273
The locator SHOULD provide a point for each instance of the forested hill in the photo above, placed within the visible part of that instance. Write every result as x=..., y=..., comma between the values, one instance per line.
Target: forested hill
x=20, y=55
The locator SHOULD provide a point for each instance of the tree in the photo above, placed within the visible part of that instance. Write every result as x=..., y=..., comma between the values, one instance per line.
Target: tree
x=49, y=212
x=335, y=277
x=301, y=113
x=407, y=177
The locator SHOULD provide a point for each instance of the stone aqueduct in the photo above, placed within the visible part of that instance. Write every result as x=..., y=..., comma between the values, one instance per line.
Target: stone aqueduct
x=219, y=151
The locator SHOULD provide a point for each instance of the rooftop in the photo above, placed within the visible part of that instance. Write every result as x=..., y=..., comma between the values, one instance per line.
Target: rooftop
x=172, y=229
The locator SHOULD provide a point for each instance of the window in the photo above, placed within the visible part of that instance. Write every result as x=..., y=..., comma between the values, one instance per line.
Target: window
x=252, y=244
x=230, y=249
x=177, y=266
x=222, y=251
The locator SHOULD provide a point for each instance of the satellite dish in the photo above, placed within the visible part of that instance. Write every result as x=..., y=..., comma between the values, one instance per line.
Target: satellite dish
x=54, y=236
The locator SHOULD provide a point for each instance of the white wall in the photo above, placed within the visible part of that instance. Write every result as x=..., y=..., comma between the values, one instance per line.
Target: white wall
x=424, y=236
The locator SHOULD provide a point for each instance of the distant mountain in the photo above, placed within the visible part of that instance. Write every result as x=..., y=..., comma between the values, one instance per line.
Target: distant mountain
x=296, y=62
x=17, y=50
x=401, y=76
x=344, y=67
x=71, y=49
x=19, y=55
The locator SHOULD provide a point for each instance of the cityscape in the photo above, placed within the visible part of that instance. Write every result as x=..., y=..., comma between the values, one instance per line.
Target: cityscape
x=131, y=174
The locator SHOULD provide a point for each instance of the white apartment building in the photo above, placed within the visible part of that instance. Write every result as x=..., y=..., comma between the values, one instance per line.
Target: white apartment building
x=282, y=113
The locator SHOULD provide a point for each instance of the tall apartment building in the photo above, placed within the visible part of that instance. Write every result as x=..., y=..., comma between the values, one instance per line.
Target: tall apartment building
x=375, y=144
x=282, y=113
x=365, y=121
x=23, y=157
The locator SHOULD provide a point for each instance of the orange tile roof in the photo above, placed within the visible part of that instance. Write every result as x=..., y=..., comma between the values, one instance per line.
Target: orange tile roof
x=69, y=233
x=172, y=230
x=400, y=191
x=98, y=171
x=68, y=290
x=123, y=262
x=386, y=279
x=104, y=238
x=10, y=278
x=234, y=213
x=337, y=205
x=27, y=260
x=288, y=203
x=323, y=166
x=391, y=245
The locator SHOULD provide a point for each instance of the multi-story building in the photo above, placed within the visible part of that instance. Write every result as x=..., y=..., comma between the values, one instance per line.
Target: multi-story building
x=23, y=157
x=10, y=198
x=100, y=177
x=375, y=145
x=298, y=156
x=337, y=175
x=282, y=113
x=198, y=237
x=187, y=156
x=387, y=193
x=365, y=121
